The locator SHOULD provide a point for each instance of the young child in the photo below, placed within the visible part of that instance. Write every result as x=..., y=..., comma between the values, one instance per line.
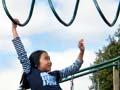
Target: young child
x=37, y=68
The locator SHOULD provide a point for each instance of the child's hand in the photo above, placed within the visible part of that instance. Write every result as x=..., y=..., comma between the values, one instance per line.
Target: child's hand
x=14, y=31
x=81, y=46
x=14, y=26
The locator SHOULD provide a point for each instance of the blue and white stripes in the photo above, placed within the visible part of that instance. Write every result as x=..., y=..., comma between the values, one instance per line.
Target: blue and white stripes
x=71, y=69
x=22, y=55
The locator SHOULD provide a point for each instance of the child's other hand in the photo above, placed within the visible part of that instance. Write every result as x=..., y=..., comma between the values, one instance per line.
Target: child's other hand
x=81, y=45
x=14, y=26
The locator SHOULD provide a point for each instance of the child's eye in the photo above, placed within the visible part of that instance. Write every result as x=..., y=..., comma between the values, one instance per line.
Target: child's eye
x=47, y=58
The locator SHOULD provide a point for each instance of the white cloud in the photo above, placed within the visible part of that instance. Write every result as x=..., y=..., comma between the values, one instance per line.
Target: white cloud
x=88, y=20
x=65, y=59
x=9, y=80
x=6, y=44
x=88, y=25
x=11, y=77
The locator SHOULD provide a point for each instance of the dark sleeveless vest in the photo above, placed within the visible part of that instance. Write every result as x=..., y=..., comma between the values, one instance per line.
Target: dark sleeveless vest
x=39, y=82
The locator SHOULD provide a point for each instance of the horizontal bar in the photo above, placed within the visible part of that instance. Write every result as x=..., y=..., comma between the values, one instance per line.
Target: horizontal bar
x=101, y=64
x=89, y=72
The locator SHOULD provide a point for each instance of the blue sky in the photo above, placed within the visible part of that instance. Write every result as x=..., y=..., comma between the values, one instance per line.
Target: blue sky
x=45, y=32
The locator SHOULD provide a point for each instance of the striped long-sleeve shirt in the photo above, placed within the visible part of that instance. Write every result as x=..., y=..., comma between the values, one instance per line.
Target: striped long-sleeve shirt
x=44, y=80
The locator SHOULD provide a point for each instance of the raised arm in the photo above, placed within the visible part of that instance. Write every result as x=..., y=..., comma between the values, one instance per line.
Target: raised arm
x=22, y=55
x=76, y=65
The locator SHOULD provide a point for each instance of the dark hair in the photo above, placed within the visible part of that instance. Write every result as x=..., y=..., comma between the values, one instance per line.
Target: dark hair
x=34, y=60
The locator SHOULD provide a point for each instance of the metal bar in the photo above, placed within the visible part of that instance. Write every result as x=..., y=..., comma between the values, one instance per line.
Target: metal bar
x=91, y=71
x=94, y=68
x=101, y=64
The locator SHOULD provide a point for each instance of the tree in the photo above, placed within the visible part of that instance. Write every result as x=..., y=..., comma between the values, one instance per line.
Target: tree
x=104, y=79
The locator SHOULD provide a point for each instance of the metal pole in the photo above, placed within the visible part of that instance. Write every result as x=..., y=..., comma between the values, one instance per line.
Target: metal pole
x=98, y=85
x=116, y=78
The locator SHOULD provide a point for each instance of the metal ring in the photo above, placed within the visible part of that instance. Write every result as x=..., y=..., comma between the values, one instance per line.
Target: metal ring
x=58, y=17
x=103, y=16
x=12, y=19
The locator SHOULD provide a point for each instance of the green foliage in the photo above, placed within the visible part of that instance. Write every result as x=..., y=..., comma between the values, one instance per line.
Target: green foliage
x=104, y=79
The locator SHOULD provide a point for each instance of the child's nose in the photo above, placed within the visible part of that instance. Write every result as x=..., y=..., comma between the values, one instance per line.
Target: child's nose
x=50, y=62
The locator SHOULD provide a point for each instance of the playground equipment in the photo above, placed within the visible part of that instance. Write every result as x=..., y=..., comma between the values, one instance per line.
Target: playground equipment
x=115, y=63
x=109, y=63
x=95, y=68
x=59, y=18
x=12, y=19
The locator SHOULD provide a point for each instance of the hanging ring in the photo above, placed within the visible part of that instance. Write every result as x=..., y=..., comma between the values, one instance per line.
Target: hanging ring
x=12, y=19
x=58, y=17
x=103, y=16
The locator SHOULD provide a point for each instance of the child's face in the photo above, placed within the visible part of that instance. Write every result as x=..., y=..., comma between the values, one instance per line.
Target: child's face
x=45, y=63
